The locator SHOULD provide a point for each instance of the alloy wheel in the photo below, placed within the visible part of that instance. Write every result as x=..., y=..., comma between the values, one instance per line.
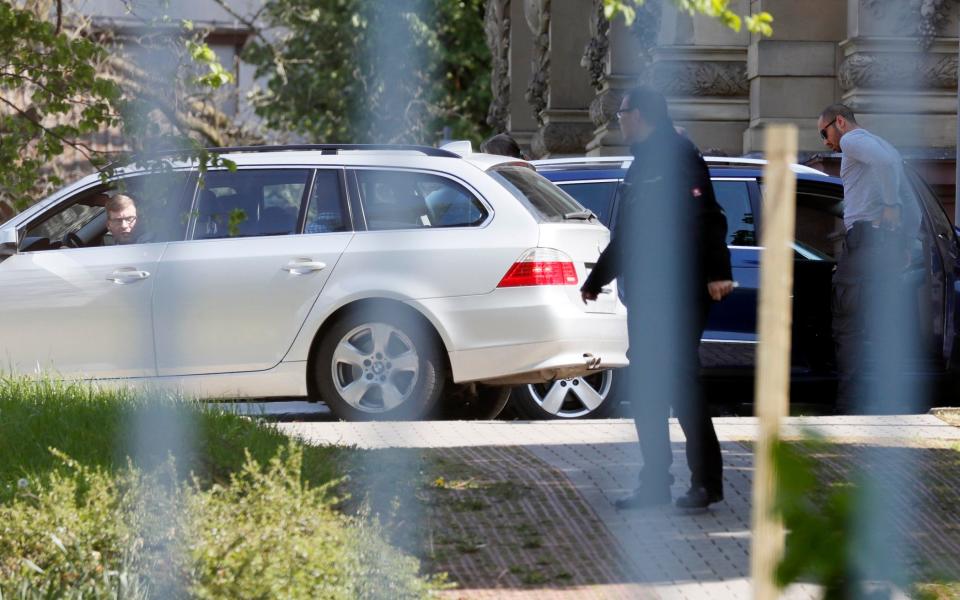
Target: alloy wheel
x=375, y=367
x=572, y=398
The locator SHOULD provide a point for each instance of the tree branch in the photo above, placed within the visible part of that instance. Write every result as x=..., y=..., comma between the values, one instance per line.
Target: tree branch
x=80, y=147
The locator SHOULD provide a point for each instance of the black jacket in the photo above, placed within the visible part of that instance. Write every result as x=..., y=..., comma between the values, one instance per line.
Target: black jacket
x=689, y=234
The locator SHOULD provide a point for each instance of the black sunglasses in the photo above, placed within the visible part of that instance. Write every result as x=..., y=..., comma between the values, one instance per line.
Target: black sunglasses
x=823, y=132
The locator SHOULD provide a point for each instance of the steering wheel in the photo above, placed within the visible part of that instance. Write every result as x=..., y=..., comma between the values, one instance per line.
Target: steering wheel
x=71, y=240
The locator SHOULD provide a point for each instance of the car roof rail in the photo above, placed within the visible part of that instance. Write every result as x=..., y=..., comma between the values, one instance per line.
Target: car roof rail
x=740, y=161
x=337, y=148
x=586, y=161
x=625, y=162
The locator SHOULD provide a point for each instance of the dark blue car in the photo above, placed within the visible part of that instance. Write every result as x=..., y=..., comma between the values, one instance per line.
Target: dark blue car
x=730, y=339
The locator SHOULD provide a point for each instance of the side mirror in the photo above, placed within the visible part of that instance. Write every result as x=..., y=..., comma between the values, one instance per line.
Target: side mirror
x=9, y=241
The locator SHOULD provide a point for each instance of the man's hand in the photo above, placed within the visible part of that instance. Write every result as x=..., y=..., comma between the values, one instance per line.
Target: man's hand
x=720, y=289
x=890, y=217
x=585, y=295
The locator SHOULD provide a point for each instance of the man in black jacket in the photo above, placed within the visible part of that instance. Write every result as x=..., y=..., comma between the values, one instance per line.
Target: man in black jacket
x=669, y=253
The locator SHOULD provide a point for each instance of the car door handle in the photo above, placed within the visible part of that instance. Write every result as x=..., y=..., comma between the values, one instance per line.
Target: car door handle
x=302, y=266
x=606, y=290
x=126, y=275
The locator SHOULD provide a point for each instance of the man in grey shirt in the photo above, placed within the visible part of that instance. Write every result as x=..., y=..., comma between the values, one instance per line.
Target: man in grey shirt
x=879, y=208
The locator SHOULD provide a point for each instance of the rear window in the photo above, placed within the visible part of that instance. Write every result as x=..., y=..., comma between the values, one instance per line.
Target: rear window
x=545, y=200
x=596, y=196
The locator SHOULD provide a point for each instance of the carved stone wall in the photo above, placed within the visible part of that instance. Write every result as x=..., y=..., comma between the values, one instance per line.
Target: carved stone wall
x=895, y=66
x=702, y=78
x=891, y=71
x=598, y=48
x=898, y=70
x=497, y=29
x=560, y=102
x=538, y=18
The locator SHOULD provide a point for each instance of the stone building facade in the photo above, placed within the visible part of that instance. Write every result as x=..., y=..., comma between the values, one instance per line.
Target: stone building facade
x=560, y=68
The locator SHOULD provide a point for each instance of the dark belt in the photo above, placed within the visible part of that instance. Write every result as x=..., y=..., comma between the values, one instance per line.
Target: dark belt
x=863, y=233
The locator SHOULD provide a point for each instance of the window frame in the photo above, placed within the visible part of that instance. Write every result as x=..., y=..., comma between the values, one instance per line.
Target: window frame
x=754, y=200
x=356, y=198
x=70, y=197
x=613, y=200
x=346, y=206
x=301, y=214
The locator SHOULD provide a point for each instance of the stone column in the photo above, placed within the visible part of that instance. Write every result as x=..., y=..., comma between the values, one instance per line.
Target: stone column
x=698, y=63
x=511, y=46
x=904, y=87
x=701, y=66
x=793, y=74
x=559, y=90
x=898, y=71
x=522, y=123
x=617, y=57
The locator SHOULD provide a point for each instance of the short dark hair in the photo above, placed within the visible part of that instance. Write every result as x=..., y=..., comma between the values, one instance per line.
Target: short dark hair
x=651, y=104
x=501, y=144
x=834, y=110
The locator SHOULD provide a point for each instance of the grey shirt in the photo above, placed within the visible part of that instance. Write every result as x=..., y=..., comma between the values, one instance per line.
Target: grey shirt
x=872, y=173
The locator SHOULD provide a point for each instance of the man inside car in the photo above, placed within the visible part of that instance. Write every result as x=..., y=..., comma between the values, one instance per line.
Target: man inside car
x=122, y=221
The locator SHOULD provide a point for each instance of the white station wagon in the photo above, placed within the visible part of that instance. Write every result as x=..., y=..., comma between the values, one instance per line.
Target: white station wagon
x=372, y=278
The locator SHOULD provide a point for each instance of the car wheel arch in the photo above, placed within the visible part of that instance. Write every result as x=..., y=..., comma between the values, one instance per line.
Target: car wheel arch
x=372, y=304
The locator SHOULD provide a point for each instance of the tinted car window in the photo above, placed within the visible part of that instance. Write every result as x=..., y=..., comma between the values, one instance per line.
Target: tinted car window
x=56, y=226
x=325, y=214
x=734, y=197
x=596, y=196
x=250, y=203
x=414, y=200
x=545, y=200
x=819, y=222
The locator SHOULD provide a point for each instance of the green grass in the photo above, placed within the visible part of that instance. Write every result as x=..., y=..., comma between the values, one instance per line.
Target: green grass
x=229, y=508
x=95, y=427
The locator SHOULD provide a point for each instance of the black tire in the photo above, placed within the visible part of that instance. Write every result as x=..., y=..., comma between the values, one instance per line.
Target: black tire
x=472, y=402
x=527, y=401
x=394, y=359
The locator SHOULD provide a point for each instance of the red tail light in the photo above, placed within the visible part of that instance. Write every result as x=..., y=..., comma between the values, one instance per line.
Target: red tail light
x=541, y=266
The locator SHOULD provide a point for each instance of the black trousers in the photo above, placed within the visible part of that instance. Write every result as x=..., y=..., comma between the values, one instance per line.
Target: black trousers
x=654, y=389
x=871, y=316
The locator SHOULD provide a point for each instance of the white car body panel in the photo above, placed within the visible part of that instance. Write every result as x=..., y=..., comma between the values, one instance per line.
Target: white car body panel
x=228, y=305
x=59, y=311
x=288, y=379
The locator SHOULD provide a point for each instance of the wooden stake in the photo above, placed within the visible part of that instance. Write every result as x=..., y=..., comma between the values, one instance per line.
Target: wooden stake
x=772, y=393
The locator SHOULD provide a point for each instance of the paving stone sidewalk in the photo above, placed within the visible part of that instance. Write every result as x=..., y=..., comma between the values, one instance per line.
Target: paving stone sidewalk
x=661, y=553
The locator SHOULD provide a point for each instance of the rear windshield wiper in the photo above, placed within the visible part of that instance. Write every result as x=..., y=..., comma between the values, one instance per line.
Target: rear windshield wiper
x=579, y=215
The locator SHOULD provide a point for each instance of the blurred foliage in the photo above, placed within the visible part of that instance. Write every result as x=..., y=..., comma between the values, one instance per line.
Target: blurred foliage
x=64, y=83
x=823, y=544
x=366, y=71
x=716, y=9
x=819, y=523
x=46, y=76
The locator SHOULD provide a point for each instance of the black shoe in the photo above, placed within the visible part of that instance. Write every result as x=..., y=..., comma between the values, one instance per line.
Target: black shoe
x=698, y=498
x=643, y=497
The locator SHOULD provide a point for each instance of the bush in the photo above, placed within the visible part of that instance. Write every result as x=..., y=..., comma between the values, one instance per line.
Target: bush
x=248, y=523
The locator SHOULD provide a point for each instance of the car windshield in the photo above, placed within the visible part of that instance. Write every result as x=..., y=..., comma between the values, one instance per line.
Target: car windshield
x=545, y=200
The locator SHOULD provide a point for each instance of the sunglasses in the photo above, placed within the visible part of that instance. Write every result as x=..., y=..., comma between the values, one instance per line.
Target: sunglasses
x=823, y=132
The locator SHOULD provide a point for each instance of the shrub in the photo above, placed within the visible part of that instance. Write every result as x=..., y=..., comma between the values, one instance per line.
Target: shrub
x=257, y=517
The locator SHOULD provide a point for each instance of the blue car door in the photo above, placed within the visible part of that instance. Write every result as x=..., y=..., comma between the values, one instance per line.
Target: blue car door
x=730, y=337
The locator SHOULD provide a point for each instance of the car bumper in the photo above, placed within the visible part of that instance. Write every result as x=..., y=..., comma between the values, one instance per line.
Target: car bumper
x=528, y=335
